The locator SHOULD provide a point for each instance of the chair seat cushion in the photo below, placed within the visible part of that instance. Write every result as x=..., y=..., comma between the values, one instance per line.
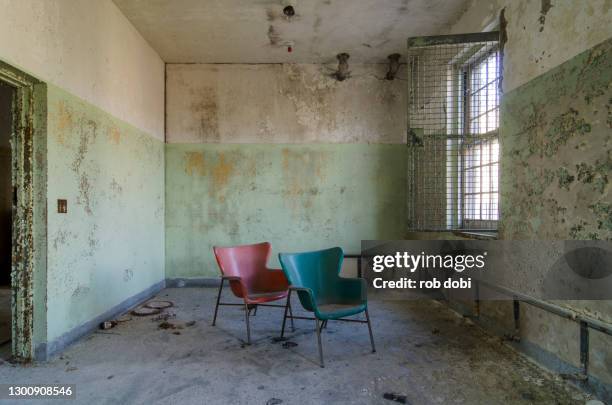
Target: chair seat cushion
x=339, y=310
x=259, y=297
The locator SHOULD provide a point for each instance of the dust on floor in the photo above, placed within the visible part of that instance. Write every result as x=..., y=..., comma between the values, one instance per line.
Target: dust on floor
x=425, y=352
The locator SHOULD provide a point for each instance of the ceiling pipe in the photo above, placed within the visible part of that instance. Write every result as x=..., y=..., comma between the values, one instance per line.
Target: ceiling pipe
x=343, y=67
x=394, y=64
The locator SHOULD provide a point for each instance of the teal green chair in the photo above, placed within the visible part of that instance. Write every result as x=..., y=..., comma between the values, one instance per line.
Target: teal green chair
x=315, y=277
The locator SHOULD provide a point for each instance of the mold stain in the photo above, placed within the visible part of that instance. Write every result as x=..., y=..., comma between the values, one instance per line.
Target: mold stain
x=128, y=275
x=84, y=197
x=115, y=187
x=546, y=5
x=205, y=107
x=194, y=163
x=273, y=36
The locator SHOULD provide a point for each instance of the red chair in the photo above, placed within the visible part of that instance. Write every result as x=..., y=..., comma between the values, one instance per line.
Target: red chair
x=245, y=267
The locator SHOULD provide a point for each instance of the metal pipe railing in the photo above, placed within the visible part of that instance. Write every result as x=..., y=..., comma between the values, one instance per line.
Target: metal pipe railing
x=585, y=322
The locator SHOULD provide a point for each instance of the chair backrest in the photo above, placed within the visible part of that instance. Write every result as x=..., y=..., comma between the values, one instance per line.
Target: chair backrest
x=318, y=270
x=245, y=261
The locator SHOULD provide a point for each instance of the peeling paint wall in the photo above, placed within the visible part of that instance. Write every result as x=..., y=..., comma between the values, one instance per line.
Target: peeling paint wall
x=541, y=34
x=90, y=49
x=298, y=197
x=283, y=153
x=555, y=143
x=284, y=103
x=560, y=153
x=98, y=144
x=110, y=244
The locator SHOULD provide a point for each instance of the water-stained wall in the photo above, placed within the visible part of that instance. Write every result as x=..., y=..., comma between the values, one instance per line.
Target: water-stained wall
x=298, y=197
x=109, y=246
x=283, y=153
x=283, y=103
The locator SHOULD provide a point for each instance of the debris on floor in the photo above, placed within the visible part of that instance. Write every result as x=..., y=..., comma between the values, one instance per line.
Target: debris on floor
x=175, y=325
x=289, y=344
x=274, y=401
x=169, y=325
x=158, y=304
x=391, y=396
x=163, y=317
x=108, y=324
x=152, y=307
x=144, y=311
x=277, y=339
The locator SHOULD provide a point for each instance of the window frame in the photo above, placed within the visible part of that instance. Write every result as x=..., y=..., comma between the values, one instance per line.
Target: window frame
x=471, y=139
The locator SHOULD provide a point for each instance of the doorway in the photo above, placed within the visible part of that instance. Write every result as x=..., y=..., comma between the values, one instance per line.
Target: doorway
x=7, y=97
x=23, y=229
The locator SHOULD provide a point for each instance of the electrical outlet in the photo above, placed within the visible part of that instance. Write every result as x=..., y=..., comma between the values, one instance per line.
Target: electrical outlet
x=62, y=206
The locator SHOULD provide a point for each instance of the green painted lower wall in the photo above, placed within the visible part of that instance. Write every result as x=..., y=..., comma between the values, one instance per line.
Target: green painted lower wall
x=110, y=244
x=298, y=197
x=556, y=169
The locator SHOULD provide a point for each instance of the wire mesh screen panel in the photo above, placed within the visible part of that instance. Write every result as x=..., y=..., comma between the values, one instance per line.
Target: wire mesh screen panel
x=453, y=132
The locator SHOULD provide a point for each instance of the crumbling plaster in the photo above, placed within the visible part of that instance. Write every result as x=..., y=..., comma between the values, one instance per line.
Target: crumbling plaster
x=109, y=246
x=540, y=34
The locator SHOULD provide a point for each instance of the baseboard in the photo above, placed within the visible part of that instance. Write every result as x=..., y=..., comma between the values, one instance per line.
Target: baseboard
x=44, y=351
x=193, y=282
x=539, y=355
x=552, y=362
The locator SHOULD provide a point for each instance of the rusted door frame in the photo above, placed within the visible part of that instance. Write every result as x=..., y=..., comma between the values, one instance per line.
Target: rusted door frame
x=28, y=248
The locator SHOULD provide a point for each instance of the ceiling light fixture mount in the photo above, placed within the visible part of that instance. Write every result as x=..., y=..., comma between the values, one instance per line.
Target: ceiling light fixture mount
x=289, y=11
x=394, y=64
x=343, y=67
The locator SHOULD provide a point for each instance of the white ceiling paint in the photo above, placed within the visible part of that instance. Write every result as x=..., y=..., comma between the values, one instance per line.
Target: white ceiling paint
x=257, y=31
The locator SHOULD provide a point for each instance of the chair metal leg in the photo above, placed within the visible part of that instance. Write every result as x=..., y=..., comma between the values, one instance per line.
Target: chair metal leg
x=246, y=316
x=218, y=300
x=370, y=330
x=291, y=315
x=287, y=308
x=319, y=341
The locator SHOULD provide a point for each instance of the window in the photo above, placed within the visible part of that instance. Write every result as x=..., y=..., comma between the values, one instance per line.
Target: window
x=481, y=145
x=453, y=132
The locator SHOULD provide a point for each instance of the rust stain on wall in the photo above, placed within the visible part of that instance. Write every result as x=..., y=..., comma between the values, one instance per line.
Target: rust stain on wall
x=194, y=163
x=64, y=122
x=221, y=173
x=114, y=135
x=303, y=174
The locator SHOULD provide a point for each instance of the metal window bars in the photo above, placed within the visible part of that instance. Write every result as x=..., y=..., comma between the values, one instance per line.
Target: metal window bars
x=453, y=121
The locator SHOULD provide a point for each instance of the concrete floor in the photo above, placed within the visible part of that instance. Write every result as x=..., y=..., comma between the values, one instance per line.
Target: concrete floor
x=425, y=351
